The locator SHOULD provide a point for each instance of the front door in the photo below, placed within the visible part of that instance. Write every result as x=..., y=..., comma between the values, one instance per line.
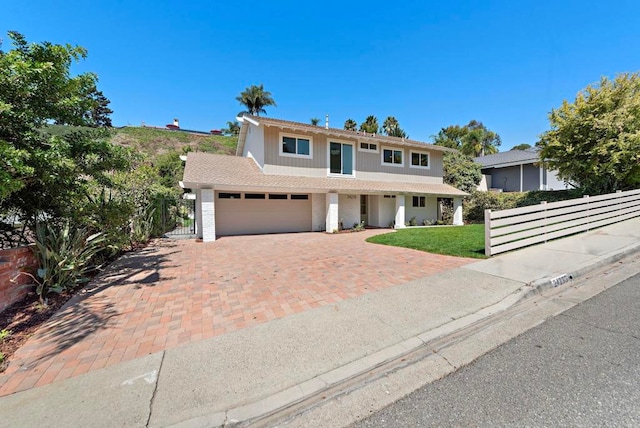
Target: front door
x=363, y=209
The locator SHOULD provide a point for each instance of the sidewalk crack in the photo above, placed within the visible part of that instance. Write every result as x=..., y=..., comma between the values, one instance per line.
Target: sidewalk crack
x=444, y=358
x=155, y=390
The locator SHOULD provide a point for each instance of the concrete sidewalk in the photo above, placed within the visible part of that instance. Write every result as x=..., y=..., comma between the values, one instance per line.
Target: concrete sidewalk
x=249, y=373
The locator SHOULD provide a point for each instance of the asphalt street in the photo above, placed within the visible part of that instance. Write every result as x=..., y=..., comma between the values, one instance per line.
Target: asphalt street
x=580, y=368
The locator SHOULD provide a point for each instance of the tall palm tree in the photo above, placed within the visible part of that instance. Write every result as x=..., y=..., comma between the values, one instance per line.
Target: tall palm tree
x=350, y=125
x=389, y=125
x=255, y=99
x=370, y=125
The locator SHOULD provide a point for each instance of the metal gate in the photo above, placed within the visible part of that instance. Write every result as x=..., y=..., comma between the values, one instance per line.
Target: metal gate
x=178, y=217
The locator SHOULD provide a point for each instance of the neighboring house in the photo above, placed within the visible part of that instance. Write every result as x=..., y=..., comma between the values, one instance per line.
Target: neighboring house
x=294, y=177
x=517, y=171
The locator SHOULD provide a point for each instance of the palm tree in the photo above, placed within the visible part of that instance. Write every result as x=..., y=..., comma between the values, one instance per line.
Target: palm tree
x=314, y=121
x=389, y=125
x=255, y=99
x=480, y=141
x=350, y=125
x=233, y=128
x=370, y=125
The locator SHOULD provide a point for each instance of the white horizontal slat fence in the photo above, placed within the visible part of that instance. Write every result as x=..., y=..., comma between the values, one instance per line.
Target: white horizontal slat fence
x=506, y=230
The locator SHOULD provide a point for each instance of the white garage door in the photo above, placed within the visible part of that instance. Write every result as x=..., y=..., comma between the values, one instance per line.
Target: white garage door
x=254, y=213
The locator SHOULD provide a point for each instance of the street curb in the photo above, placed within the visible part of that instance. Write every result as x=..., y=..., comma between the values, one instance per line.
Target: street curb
x=280, y=401
x=536, y=287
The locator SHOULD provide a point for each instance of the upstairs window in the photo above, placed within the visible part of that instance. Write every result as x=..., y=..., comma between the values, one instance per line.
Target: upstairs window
x=340, y=158
x=392, y=157
x=296, y=146
x=368, y=147
x=419, y=160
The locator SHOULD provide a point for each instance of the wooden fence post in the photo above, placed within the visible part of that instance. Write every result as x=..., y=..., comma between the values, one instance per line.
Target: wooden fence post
x=487, y=233
x=588, y=216
x=544, y=203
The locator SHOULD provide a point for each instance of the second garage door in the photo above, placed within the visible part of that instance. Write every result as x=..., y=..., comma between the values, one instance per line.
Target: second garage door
x=255, y=213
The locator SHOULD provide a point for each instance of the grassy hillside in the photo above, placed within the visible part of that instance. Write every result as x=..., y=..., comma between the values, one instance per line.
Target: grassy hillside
x=154, y=142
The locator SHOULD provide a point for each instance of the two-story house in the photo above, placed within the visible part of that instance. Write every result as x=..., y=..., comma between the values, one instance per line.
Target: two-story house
x=294, y=177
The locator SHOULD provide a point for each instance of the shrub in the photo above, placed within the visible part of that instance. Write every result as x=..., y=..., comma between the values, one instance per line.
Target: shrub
x=479, y=201
x=65, y=257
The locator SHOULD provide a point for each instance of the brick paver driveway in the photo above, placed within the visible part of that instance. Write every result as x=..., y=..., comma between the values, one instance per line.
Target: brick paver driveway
x=175, y=292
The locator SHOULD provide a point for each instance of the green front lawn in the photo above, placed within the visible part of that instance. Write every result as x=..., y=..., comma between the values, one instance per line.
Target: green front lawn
x=460, y=241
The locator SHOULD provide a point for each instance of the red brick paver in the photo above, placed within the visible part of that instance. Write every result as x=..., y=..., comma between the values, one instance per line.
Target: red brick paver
x=176, y=292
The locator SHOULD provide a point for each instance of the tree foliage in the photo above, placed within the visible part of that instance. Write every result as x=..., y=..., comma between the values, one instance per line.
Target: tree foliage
x=255, y=99
x=233, y=128
x=594, y=141
x=461, y=172
x=391, y=127
x=314, y=121
x=370, y=125
x=42, y=173
x=350, y=125
x=473, y=139
x=523, y=146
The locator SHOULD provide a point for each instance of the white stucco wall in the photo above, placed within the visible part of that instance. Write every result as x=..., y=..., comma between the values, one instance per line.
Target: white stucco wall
x=349, y=210
x=254, y=144
x=429, y=212
x=318, y=211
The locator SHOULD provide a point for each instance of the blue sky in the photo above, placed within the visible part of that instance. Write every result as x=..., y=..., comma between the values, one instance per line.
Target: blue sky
x=428, y=63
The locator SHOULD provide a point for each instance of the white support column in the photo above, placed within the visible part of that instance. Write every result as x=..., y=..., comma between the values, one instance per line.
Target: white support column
x=457, y=212
x=199, y=213
x=208, y=215
x=400, y=216
x=541, y=187
x=332, y=212
x=521, y=177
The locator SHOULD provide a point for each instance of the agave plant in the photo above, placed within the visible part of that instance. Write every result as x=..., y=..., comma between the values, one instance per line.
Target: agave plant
x=65, y=257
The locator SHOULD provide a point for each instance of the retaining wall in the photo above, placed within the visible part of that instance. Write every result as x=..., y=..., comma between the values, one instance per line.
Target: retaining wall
x=12, y=262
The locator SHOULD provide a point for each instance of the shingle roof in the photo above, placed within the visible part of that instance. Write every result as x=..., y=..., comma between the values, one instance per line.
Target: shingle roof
x=222, y=171
x=361, y=136
x=510, y=157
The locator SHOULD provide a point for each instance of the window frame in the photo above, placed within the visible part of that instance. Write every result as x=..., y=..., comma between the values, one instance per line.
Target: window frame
x=353, y=160
x=397, y=165
x=411, y=165
x=422, y=201
x=360, y=149
x=281, y=135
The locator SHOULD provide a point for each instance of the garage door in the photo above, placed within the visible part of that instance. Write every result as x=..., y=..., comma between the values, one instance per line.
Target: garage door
x=253, y=213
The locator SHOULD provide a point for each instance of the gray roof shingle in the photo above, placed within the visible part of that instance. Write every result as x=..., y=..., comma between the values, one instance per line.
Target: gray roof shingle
x=510, y=157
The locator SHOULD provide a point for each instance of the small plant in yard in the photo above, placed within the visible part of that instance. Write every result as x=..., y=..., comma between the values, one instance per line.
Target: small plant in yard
x=413, y=221
x=427, y=222
x=358, y=227
x=4, y=333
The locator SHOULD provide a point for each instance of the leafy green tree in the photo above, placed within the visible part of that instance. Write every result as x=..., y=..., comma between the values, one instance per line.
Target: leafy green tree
x=350, y=125
x=370, y=125
x=451, y=137
x=233, y=128
x=594, y=141
x=473, y=139
x=461, y=172
x=523, y=146
x=44, y=174
x=255, y=99
x=314, y=121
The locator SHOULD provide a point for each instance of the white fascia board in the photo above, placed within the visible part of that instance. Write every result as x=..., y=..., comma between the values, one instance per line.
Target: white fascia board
x=245, y=118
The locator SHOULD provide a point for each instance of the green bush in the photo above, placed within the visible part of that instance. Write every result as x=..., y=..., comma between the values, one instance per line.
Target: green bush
x=65, y=257
x=475, y=205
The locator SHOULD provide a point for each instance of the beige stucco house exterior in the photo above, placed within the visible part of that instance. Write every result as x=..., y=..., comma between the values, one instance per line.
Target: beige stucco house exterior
x=293, y=177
